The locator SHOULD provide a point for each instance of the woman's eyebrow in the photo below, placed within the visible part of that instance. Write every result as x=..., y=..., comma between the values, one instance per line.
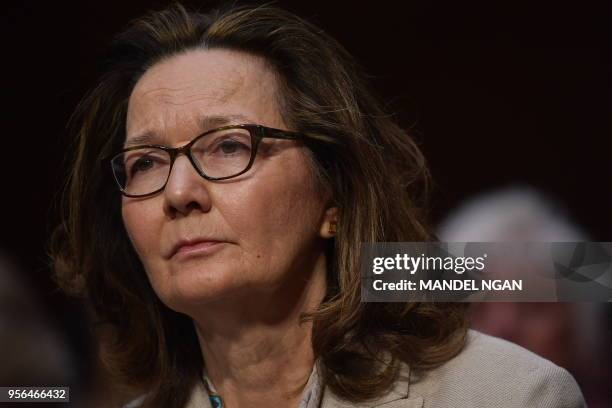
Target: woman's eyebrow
x=142, y=139
x=206, y=123
x=212, y=121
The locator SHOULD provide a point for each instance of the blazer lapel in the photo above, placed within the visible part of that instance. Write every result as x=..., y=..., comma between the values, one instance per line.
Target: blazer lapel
x=198, y=398
x=405, y=402
x=397, y=397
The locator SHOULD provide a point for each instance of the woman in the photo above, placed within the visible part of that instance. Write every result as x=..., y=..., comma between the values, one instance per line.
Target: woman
x=228, y=166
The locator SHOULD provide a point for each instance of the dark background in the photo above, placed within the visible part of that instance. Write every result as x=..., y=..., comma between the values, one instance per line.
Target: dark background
x=497, y=93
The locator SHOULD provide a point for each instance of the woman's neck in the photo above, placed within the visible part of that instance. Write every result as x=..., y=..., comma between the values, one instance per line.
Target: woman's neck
x=259, y=354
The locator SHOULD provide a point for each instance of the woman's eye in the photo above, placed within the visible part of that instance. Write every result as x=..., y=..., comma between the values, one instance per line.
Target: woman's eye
x=142, y=164
x=230, y=146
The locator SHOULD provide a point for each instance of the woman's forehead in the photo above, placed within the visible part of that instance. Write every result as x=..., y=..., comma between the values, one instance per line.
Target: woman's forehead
x=217, y=82
x=191, y=67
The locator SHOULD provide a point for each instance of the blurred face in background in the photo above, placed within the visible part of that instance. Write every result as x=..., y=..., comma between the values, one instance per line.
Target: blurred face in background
x=266, y=223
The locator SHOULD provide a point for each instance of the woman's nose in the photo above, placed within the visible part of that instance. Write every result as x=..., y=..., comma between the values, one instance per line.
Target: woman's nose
x=185, y=190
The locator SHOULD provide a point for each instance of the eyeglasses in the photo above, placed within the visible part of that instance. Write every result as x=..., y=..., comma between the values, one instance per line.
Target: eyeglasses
x=217, y=154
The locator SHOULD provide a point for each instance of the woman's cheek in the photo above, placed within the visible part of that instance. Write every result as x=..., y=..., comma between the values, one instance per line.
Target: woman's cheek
x=141, y=229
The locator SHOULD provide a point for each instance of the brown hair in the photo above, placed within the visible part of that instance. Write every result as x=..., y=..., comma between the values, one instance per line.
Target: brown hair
x=373, y=169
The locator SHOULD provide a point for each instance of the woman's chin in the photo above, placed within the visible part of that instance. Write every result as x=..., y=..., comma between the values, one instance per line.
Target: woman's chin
x=187, y=293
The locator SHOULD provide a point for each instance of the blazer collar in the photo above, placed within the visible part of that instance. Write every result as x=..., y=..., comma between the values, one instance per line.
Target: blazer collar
x=397, y=397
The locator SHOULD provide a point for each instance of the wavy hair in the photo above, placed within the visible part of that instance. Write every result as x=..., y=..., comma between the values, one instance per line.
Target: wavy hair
x=374, y=170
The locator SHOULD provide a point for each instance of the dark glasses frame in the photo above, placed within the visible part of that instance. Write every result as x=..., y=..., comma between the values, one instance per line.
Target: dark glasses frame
x=257, y=133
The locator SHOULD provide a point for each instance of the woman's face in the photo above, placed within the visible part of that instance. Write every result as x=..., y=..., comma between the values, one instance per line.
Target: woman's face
x=270, y=221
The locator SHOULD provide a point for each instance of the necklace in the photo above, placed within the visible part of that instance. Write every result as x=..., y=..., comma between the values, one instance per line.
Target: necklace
x=214, y=398
x=215, y=401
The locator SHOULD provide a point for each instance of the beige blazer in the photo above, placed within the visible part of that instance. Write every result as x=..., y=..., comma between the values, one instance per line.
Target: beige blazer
x=488, y=373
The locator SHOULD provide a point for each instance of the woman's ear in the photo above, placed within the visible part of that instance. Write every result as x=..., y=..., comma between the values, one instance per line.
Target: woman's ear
x=329, y=225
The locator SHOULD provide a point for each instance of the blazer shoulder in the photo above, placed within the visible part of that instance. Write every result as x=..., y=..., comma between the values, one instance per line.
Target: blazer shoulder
x=491, y=372
x=136, y=402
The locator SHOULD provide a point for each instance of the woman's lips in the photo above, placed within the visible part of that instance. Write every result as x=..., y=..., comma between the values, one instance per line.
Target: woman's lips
x=197, y=248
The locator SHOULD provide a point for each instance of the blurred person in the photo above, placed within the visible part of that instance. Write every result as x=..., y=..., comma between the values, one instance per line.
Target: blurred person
x=572, y=335
x=228, y=167
x=33, y=352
